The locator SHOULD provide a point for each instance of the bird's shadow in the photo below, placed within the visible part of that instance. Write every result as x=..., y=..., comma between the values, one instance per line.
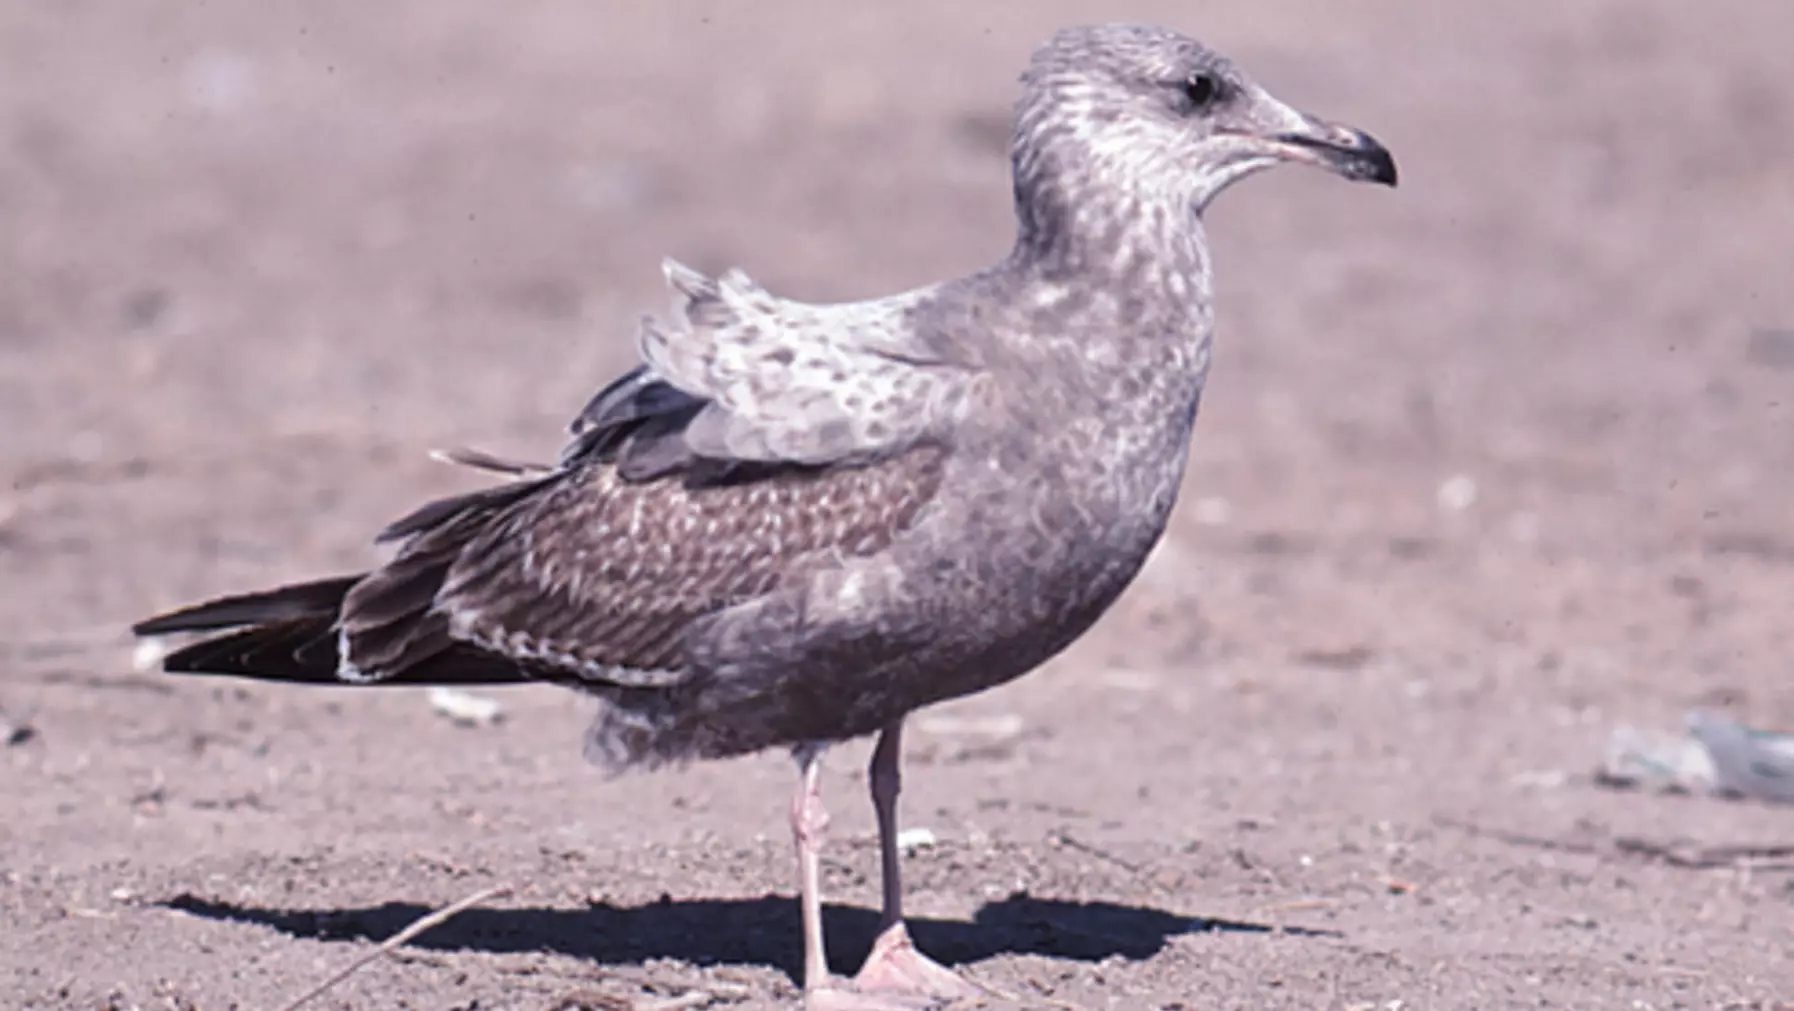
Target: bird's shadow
x=760, y=931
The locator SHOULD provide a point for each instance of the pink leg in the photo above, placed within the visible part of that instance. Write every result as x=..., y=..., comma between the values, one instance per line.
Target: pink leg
x=809, y=820
x=895, y=964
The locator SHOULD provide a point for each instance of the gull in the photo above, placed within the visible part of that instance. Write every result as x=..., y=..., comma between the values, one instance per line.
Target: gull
x=793, y=524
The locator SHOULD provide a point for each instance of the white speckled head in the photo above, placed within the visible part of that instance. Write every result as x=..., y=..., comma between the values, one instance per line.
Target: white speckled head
x=1154, y=114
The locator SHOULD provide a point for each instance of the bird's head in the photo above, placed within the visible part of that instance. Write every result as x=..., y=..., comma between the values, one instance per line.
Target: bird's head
x=1153, y=112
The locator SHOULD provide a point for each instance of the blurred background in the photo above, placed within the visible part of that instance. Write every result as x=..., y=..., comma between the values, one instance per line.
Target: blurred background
x=1490, y=465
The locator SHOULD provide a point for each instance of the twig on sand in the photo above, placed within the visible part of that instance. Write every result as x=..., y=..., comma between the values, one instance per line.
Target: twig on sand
x=1687, y=855
x=1064, y=838
x=387, y=946
x=1697, y=857
x=690, y=1000
x=1520, y=838
x=684, y=1002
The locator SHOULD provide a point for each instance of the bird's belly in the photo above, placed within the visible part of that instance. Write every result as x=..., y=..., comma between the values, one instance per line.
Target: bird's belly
x=1022, y=603
x=979, y=592
x=1024, y=572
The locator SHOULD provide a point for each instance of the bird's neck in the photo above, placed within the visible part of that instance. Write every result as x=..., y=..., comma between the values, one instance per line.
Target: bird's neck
x=1135, y=265
x=1122, y=237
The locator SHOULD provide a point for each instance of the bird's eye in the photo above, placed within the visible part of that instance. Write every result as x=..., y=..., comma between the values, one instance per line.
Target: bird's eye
x=1202, y=90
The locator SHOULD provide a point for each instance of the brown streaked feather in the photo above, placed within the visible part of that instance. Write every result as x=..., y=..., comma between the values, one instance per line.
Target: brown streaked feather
x=433, y=515
x=600, y=577
x=597, y=569
x=389, y=618
x=580, y=576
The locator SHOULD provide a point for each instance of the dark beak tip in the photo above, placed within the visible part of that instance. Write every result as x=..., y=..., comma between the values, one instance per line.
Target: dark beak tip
x=1370, y=160
x=1351, y=153
x=1382, y=169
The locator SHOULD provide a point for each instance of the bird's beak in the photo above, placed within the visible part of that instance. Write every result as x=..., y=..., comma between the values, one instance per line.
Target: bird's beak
x=1270, y=129
x=1351, y=153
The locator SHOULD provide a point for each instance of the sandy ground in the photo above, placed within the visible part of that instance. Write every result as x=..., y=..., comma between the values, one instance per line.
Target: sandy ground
x=1333, y=751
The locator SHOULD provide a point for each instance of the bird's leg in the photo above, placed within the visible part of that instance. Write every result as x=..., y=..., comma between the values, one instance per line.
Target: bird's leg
x=808, y=821
x=822, y=992
x=884, y=774
x=895, y=963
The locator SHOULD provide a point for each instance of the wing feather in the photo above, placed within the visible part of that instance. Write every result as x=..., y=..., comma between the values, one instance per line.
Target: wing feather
x=778, y=380
x=602, y=576
x=759, y=439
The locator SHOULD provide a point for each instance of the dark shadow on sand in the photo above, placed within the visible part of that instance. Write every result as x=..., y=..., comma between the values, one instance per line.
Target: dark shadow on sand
x=761, y=931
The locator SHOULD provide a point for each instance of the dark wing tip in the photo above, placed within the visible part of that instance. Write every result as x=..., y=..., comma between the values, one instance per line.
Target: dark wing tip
x=300, y=650
x=636, y=410
x=161, y=624
x=303, y=600
x=435, y=514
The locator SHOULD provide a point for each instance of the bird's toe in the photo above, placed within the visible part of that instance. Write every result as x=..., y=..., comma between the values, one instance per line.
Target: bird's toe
x=897, y=966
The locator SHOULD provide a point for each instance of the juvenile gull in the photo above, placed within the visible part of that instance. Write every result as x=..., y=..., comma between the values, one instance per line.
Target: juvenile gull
x=794, y=524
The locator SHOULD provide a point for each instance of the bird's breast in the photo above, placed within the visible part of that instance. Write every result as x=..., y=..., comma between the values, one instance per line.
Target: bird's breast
x=1058, y=518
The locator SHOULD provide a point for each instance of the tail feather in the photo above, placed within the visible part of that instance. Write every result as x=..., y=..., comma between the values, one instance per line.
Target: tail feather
x=283, y=634
x=290, y=634
x=305, y=652
x=295, y=633
x=283, y=651
x=321, y=599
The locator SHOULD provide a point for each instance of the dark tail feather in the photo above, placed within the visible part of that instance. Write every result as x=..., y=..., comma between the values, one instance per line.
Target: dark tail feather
x=291, y=633
x=291, y=636
x=303, y=650
x=321, y=599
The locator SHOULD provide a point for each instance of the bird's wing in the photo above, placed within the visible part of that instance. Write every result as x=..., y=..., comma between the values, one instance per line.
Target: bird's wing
x=759, y=434
x=592, y=576
x=761, y=437
x=747, y=377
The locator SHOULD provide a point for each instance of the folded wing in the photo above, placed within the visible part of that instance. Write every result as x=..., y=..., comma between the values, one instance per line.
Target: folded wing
x=760, y=438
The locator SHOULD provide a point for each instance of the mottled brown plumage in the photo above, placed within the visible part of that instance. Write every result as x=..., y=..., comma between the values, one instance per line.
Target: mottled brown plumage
x=796, y=523
x=581, y=575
